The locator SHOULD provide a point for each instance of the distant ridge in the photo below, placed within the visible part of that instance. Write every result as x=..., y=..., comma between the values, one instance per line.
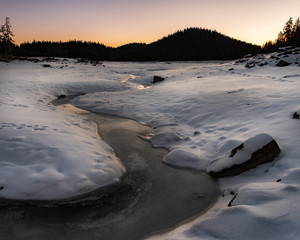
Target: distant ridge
x=192, y=44
x=189, y=44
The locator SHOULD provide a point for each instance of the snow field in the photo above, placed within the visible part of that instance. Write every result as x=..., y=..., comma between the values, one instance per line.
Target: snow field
x=200, y=112
x=47, y=153
x=204, y=110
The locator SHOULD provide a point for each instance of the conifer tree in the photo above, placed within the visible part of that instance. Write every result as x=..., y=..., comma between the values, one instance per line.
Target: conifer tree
x=296, y=32
x=288, y=31
x=6, y=36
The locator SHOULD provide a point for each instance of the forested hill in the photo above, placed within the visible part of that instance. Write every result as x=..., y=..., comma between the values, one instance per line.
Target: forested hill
x=190, y=44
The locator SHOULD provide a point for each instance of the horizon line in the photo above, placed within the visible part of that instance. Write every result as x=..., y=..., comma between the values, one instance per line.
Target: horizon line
x=134, y=42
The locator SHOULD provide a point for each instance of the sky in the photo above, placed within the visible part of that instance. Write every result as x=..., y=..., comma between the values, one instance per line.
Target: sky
x=118, y=22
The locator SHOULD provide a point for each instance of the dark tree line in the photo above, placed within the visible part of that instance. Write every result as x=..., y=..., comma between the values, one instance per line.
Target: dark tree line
x=70, y=49
x=289, y=36
x=190, y=44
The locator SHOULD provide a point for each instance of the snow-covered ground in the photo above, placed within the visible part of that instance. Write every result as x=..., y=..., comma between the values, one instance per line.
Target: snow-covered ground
x=201, y=111
x=45, y=152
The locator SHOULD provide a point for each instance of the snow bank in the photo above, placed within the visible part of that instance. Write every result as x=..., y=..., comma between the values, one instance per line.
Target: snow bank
x=46, y=153
x=184, y=159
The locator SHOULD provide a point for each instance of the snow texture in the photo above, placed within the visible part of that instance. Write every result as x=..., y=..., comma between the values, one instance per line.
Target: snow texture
x=45, y=152
x=202, y=108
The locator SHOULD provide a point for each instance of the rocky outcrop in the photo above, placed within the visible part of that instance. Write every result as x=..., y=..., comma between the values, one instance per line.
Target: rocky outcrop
x=253, y=152
x=283, y=57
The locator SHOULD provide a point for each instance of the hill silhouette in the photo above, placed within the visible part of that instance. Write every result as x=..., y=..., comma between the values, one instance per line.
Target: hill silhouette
x=191, y=44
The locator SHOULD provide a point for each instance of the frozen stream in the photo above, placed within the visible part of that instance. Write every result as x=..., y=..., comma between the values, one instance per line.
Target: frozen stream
x=151, y=198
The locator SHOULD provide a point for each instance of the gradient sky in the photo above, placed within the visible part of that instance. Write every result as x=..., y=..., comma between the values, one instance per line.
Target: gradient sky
x=117, y=22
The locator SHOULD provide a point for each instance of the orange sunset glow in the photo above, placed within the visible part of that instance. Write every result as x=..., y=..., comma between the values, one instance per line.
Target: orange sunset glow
x=117, y=22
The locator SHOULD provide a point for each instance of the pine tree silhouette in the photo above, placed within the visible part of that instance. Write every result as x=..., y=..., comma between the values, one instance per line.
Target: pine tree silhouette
x=6, y=36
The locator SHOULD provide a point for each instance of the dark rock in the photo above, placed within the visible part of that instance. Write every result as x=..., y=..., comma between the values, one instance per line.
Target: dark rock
x=263, y=64
x=62, y=96
x=250, y=65
x=50, y=59
x=46, y=65
x=278, y=180
x=230, y=69
x=196, y=133
x=266, y=154
x=1, y=187
x=95, y=63
x=157, y=79
x=35, y=60
x=282, y=63
x=234, y=151
x=241, y=61
x=296, y=115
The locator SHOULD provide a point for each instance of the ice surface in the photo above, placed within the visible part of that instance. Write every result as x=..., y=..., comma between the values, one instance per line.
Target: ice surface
x=201, y=108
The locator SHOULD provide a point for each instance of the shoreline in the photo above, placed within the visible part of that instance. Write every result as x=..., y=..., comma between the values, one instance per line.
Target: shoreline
x=103, y=121
x=152, y=197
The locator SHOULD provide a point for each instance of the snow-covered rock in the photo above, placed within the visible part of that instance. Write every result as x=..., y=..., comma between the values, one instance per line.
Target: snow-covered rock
x=282, y=58
x=259, y=149
x=282, y=63
x=183, y=159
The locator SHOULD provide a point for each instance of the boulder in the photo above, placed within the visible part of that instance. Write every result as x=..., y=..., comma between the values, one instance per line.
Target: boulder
x=282, y=63
x=296, y=115
x=250, y=65
x=259, y=149
x=263, y=64
x=183, y=159
x=157, y=79
x=62, y=96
